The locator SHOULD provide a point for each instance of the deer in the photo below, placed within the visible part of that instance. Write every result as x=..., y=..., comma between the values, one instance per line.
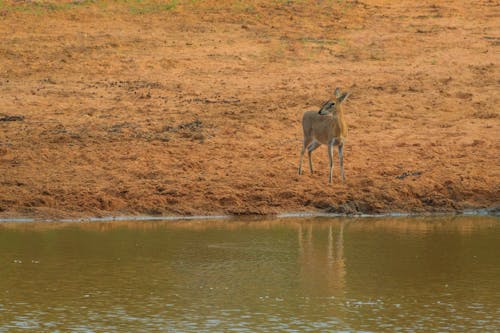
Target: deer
x=328, y=127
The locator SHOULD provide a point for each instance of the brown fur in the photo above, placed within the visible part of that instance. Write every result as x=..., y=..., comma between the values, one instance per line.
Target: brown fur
x=326, y=126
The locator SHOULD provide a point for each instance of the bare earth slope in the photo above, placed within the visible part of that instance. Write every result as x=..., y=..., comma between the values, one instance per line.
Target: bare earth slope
x=194, y=107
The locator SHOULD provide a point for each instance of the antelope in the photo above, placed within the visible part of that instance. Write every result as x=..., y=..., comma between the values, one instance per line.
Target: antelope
x=326, y=126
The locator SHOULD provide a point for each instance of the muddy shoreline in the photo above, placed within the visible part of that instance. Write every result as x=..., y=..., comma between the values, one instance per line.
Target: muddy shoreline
x=492, y=212
x=137, y=109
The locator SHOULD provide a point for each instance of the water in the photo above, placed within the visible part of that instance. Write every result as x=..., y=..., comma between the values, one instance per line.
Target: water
x=292, y=275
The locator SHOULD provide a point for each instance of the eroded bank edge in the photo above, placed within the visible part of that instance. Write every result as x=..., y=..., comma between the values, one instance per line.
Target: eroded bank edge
x=495, y=212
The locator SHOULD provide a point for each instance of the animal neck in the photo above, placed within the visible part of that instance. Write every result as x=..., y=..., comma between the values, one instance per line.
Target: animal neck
x=341, y=122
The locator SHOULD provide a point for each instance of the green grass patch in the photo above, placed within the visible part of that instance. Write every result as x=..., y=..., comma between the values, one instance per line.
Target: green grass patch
x=244, y=6
x=42, y=7
x=141, y=7
x=138, y=7
x=321, y=41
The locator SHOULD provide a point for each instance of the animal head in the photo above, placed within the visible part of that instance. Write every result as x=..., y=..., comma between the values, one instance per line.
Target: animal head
x=333, y=106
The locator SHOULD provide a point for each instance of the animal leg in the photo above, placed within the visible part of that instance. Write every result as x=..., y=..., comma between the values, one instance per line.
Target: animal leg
x=330, y=158
x=341, y=160
x=307, y=142
x=315, y=144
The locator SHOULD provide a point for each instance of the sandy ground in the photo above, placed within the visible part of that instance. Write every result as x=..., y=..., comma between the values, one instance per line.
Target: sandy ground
x=194, y=107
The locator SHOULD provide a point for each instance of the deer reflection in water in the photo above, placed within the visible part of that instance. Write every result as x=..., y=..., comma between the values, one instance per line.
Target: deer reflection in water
x=321, y=261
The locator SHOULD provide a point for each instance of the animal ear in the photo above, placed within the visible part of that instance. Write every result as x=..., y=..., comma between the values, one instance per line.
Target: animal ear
x=343, y=97
x=337, y=92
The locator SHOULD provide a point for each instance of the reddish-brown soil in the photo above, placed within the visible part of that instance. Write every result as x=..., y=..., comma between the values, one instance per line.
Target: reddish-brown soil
x=140, y=108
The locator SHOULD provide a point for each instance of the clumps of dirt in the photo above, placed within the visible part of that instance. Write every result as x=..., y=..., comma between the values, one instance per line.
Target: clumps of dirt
x=345, y=207
x=218, y=100
x=134, y=84
x=408, y=174
x=352, y=207
x=495, y=41
x=48, y=80
x=193, y=125
x=59, y=134
x=494, y=211
x=438, y=203
x=141, y=89
x=4, y=117
x=192, y=130
x=120, y=126
x=483, y=114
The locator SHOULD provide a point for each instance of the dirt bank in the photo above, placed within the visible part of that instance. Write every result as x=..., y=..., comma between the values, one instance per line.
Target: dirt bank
x=194, y=107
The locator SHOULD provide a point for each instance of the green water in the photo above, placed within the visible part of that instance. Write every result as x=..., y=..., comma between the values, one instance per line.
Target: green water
x=293, y=275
